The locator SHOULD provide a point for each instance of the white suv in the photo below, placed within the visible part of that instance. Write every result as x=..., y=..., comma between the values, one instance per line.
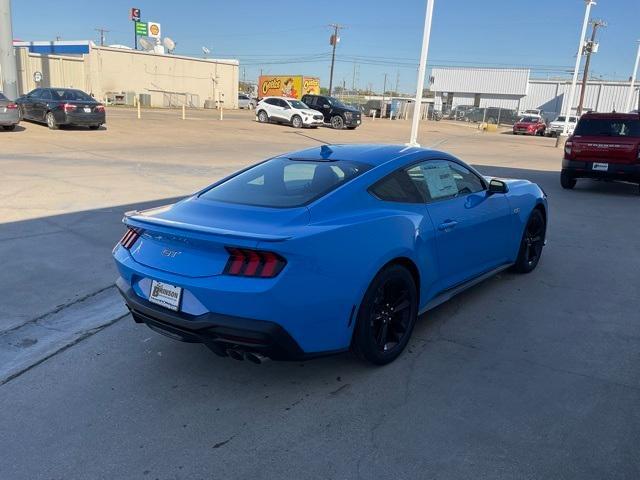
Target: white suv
x=287, y=110
x=557, y=126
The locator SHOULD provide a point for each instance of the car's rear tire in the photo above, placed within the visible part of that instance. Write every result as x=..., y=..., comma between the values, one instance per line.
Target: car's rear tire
x=567, y=180
x=9, y=127
x=532, y=243
x=387, y=315
x=263, y=117
x=337, y=122
x=94, y=127
x=296, y=121
x=51, y=121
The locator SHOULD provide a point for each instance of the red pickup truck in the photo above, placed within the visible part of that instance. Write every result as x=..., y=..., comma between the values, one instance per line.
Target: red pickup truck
x=603, y=146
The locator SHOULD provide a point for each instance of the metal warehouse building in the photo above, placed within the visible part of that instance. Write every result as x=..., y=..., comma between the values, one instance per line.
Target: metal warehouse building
x=514, y=89
x=119, y=73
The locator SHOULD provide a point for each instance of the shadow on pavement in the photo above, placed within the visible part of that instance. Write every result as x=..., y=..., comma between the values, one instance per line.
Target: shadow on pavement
x=52, y=261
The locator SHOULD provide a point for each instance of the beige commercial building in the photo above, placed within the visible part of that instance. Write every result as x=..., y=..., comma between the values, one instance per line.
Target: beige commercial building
x=117, y=73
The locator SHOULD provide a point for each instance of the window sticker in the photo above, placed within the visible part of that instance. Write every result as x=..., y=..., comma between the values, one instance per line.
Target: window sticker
x=439, y=179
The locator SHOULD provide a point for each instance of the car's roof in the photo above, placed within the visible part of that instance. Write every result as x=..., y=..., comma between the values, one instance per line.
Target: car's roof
x=371, y=154
x=611, y=115
x=281, y=98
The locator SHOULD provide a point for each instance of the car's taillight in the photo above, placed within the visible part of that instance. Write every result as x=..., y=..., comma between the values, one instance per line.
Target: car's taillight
x=12, y=106
x=99, y=108
x=567, y=147
x=68, y=107
x=129, y=238
x=245, y=262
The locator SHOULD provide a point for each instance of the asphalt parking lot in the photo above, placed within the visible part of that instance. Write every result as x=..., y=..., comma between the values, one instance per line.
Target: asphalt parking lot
x=524, y=376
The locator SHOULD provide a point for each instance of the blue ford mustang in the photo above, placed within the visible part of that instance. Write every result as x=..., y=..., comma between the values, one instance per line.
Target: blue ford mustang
x=323, y=250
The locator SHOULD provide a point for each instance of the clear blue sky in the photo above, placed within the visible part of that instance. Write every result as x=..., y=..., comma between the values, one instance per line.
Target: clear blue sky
x=381, y=37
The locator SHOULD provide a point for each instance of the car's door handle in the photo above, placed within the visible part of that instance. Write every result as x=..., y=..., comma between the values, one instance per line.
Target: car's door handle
x=447, y=225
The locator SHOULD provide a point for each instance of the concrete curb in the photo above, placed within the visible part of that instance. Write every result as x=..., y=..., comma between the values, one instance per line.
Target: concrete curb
x=26, y=346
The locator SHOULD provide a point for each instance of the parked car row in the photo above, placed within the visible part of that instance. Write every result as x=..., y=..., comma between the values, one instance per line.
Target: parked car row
x=54, y=107
x=312, y=111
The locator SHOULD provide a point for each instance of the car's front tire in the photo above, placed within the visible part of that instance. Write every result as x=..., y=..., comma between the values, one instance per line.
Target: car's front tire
x=296, y=121
x=263, y=117
x=337, y=122
x=532, y=243
x=9, y=127
x=94, y=127
x=567, y=180
x=387, y=315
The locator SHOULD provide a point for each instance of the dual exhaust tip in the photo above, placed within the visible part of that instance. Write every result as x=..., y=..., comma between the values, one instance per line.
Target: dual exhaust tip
x=249, y=356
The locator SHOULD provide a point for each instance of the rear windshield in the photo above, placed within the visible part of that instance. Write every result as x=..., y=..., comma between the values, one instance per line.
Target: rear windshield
x=529, y=120
x=71, y=95
x=282, y=182
x=608, y=127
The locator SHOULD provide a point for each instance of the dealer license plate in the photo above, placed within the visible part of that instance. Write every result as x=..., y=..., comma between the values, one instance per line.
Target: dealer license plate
x=87, y=110
x=165, y=295
x=603, y=167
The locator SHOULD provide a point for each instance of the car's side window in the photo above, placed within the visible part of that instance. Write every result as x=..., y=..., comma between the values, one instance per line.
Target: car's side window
x=444, y=179
x=35, y=93
x=45, y=95
x=283, y=104
x=397, y=187
x=310, y=101
x=270, y=101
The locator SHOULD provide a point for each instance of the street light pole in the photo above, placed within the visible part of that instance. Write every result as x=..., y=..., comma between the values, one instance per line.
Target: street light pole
x=8, y=65
x=572, y=91
x=413, y=139
x=633, y=81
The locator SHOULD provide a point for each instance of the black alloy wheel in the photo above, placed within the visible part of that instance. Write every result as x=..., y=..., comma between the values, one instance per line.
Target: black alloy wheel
x=337, y=122
x=387, y=316
x=532, y=243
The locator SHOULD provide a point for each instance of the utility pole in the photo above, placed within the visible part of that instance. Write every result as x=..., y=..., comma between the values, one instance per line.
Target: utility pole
x=397, y=82
x=572, y=91
x=383, y=107
x=7, y=53
x=589, y=47
x=422, y=69
x=632, y=83
x=333, y=41
x=102, y=36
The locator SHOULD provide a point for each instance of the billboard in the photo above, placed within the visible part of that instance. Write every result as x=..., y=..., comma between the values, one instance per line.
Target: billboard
x=292, y=86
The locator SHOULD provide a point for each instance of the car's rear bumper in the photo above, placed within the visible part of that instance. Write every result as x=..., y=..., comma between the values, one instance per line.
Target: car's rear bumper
x=218, y=331
x=616, y=171
x=83, y=119
x=9, y=118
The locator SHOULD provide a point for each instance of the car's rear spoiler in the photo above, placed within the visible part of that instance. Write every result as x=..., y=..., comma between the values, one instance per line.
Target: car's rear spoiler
x=136, y=219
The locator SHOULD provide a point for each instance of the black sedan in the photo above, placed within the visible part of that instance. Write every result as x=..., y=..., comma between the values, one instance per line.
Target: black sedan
x=62, y=106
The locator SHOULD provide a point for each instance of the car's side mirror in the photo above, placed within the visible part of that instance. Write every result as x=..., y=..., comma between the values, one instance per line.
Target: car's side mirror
x=497, y=186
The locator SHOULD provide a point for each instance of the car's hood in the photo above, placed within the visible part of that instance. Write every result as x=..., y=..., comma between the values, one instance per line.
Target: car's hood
x=309, y=111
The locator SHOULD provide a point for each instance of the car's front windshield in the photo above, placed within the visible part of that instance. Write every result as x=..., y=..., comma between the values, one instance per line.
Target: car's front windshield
x=561, y=118
x=334, y=102
x=297, y=104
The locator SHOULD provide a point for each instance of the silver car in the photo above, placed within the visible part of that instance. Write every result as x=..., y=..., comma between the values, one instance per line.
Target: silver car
x=245, y=101
x=9, y=113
